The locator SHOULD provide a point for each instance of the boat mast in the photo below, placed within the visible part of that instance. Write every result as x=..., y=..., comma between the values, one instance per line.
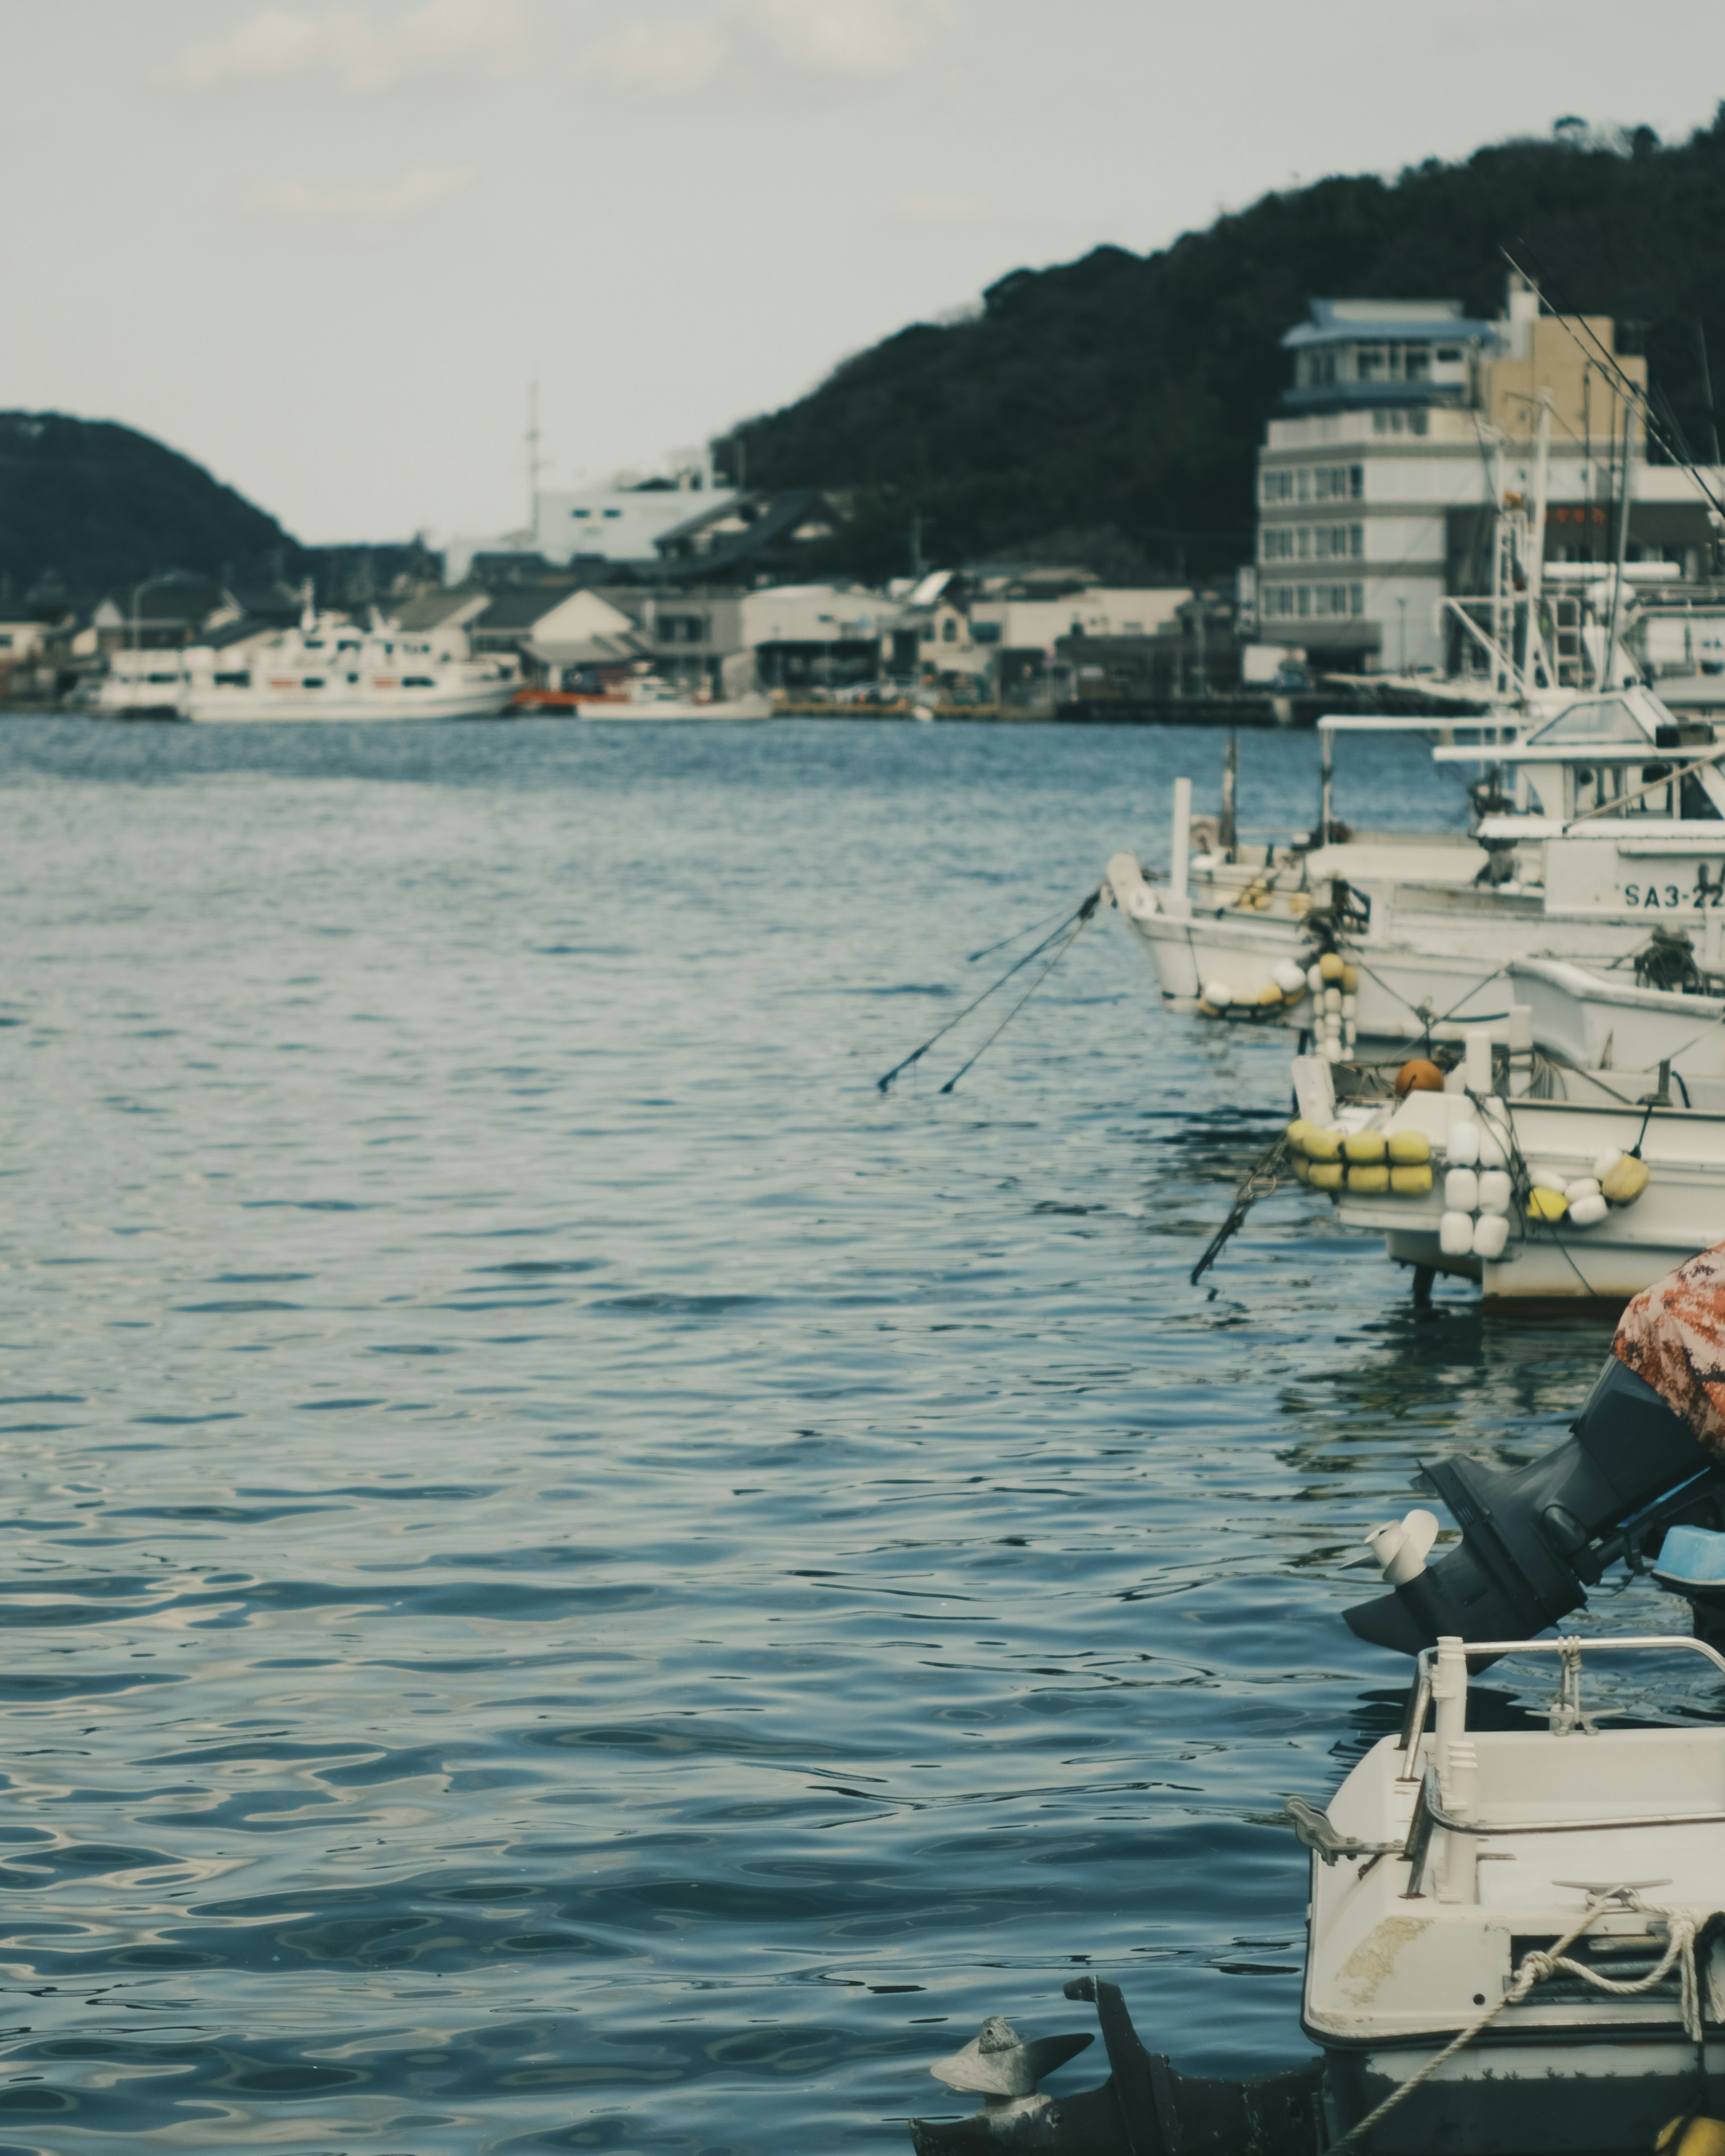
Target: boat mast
x=1623, y=519
x=1546, y=674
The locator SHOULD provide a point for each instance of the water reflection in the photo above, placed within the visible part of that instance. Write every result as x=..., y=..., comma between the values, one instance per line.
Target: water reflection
x=573, y=1577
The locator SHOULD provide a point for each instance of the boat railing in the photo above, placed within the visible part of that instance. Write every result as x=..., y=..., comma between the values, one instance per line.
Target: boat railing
x=1571, y=1645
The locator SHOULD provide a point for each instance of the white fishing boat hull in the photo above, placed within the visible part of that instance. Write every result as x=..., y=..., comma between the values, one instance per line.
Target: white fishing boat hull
x=486, y=699
x=654, y=708
x=1600, y=1020
x=1681, y=1211
x=1405, y=1953
x=1445, y=966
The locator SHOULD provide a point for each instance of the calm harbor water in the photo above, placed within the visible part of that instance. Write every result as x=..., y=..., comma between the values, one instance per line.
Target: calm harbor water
x=572, y=1576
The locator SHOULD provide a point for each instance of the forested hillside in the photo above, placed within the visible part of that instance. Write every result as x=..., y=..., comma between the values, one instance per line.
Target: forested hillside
x=93, y=506
x=1113, y=405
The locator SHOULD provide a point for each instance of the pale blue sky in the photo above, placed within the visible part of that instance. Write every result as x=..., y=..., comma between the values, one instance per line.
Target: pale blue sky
x=323, y=249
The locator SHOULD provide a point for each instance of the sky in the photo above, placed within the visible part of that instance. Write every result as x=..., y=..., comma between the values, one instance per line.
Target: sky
x=324, y=251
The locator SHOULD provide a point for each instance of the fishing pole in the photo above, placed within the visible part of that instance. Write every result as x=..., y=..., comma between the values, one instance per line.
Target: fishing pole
x=1073, y=936
x=988, y=950
x=1081, y=914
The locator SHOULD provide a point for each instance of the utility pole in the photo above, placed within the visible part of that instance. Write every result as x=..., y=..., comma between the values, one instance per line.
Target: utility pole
x=534, y=465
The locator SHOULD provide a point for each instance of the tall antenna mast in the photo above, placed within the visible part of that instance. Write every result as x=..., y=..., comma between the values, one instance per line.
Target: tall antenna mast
x=534, y=465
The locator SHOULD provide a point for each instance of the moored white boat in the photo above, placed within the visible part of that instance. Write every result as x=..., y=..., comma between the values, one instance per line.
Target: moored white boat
x=1601, y=1019
x=1558, y=1248
x=325, y=669
x=648, y=697
x=1629, y=836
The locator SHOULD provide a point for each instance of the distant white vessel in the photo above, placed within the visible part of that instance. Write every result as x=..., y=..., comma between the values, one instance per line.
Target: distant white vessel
x=326, y=668
x=643, y=696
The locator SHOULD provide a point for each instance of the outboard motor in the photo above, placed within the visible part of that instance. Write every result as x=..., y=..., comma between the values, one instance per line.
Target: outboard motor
x=1534, y=1538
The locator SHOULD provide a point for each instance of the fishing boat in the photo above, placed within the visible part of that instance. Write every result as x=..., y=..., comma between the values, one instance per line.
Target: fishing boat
x=1567, y=1186
x=326, y=668
x=642, y=696
x=1623, y=832
x=1600, y=1019
x=1515, y=1932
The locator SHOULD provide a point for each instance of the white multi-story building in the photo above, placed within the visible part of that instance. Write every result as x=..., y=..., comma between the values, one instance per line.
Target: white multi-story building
x=1405, y=422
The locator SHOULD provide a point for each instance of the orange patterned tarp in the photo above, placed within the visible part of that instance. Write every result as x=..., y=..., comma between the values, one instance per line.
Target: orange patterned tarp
x=1672, y=1336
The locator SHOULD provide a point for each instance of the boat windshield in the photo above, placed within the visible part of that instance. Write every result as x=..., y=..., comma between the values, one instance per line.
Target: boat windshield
x=1596, y=719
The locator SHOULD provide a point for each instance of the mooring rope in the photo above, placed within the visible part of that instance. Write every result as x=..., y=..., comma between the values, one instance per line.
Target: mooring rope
x=1543, y=1962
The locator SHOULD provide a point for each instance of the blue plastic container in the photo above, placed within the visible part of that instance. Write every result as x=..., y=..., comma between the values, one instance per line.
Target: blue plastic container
x=1690, y=1558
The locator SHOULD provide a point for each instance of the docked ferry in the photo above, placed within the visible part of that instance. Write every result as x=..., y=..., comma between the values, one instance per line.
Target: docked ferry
x=324, y=668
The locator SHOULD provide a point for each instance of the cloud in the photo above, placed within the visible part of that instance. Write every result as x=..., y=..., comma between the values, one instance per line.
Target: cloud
x=939, y=209
x=415, y=192
x=854, y=40
x=443, y=36
x=843, y=36
x=669, y=57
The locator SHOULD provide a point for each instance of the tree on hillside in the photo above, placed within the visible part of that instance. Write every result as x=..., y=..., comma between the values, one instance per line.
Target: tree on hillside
x=1127, y=394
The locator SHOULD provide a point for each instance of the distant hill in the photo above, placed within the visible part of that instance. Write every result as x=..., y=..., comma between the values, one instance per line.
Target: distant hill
x=91, y=507
x=1115, y=402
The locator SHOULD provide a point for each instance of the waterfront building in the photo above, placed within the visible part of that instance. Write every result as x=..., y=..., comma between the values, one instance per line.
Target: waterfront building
x=1404, y=423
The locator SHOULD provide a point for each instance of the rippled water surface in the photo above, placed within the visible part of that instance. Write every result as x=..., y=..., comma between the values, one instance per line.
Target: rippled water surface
x=574, y=1577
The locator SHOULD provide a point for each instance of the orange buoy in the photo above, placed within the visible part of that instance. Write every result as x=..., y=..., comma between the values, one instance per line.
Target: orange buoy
x=1418, y=1076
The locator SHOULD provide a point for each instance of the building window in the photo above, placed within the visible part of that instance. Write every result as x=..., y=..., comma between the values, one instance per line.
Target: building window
x=1416, y=362
x=1278, y=486
x=1448, y=355
x=1278, y=542
x=949, y=630
x=1356, y=598
x=614, y=512
x=1303, y=595
x=1371, y=363
x=1302, y=485
x=1357, y=540
x=580, y=512
x=1305, y=543
x=1417, y=423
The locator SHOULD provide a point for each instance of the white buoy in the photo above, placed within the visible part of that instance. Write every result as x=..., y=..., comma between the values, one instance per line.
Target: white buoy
x=1218, y=994
x=1333, y=1002
x=1585, y=1211
x=1462, y=1148
x=1584, y=1186
x=1497, y=1191
x=1288, y=977
x=1461, y=1190
x=1456, y=1235
x=1490, y=1233
x=1479, y=1062
x=1493, y=1152
x=1315, y=980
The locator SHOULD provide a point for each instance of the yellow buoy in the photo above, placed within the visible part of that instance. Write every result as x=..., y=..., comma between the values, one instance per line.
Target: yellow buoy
x=1364, y=1147
x=1302, y=1168
x=1691, y=2136
x=1412, y=1182
x=1367, y=1179
x=1408, y=1148
x=1269, y=994
x=1326, y=1175
x=1298, y=1132
x=1350, y=980
x=1322, y=1145
x=1625, y=1180
x=1546, y=1204
x=1331, y=967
